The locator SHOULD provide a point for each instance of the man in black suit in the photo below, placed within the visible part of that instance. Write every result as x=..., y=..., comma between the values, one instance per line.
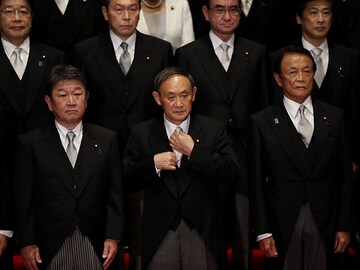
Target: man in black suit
x=231, y=82
x=301, y=180
x=121, y=93
x=61, y=24
x=68, y=189
x=122, y=98
x=179, y=159
x=21, y=86
x=337, y=77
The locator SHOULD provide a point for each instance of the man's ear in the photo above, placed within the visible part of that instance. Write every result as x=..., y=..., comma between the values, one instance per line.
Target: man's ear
x=156, y=97
x=105, y=13
x=277, y=78
x=205, y=11
x=48, y=102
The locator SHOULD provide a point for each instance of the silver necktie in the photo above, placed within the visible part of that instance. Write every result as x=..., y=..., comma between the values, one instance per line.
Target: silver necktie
x=305, y=129
x=71, y=149
x=320, y=71
x=18, y=63
x=125, y=60
x=178, y=154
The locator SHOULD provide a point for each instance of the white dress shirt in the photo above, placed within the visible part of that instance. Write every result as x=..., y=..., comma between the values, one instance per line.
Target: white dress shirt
x=116, y=41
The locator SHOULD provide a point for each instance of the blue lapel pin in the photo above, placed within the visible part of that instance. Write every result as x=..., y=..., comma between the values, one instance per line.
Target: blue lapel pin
x=276, y=120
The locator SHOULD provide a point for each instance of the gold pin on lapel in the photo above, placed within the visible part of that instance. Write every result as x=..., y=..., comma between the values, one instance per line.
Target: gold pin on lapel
x=147, y=58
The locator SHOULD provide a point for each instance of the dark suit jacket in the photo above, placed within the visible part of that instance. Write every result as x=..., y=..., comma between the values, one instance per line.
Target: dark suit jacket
x=263, y=23
x=22, y=102
x=82, y=20
x=52, y=196
x=339, y=88
x=345, y=28
x=234, y=101
x=192, y=188
x=5, y=220
x=117, y=102
x=280, y=182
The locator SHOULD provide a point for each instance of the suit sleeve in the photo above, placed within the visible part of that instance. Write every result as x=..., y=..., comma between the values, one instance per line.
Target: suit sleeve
x=257, y=180
x=139, y=167
x=23, y=194
x=217, y=161
x=115, y=215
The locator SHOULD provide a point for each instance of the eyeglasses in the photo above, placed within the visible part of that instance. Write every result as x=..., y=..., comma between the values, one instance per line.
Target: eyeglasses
x=121, y=10
x=22, y=11
x=222, y=10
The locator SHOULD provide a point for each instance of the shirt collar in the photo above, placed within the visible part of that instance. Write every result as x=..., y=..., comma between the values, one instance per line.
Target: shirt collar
x=116, y=41
x=170, y=127
x=9, y=47
x=216, y=41
x=63, y=130
x=292, y=107
x=307, y=45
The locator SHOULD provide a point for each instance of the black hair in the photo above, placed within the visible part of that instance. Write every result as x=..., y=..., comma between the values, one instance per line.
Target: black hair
x=63, y=73
x=166, y=73
x=292, y=50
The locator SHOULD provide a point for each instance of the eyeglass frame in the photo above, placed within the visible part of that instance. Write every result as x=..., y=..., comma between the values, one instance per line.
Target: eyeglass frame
x=221, y=11
x=12, y=11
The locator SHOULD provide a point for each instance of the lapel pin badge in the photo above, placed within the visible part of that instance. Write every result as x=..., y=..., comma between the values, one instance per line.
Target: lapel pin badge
x=197, y=140
x=276, y=121
x=341, y=73
x=98, y=148
x=172, y=7
x=147, y=58
x=326, y=121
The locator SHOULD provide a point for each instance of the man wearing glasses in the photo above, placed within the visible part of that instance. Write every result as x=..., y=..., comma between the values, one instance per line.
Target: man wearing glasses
x=231, y=80
x=24, y=67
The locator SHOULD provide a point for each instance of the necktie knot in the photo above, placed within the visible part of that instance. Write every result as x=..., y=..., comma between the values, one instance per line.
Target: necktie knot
x=178, y=129
x=317, y=53
x=125, y=60
x=70, y=136
x=124, y=46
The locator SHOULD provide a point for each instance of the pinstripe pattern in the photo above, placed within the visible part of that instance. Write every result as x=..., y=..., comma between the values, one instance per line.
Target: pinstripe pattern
x=76, y=253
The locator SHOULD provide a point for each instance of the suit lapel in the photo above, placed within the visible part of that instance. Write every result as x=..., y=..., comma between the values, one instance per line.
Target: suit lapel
x=57, y=157
x=196, y=132
x=241, y=58
x=140, y=67
x=159, y=143
x=111, y=69
x=281, y=125
x=211, y=64
x=35, y=68
x=321, y=130
x=88, y=155
x=7, y=71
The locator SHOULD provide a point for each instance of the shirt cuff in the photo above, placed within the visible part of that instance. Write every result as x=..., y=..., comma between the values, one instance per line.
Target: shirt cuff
x=263, y=236
x=7, y=233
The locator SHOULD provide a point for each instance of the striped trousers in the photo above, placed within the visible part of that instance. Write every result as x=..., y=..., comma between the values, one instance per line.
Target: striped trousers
x=76, y=253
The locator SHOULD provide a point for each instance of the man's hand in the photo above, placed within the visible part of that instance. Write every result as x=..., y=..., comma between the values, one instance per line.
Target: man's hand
x=342, y=239
x=30, y=256
x=3, y=243
x=268, y=246
x=110, y=250
x=165, y=161
x=182, y=143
